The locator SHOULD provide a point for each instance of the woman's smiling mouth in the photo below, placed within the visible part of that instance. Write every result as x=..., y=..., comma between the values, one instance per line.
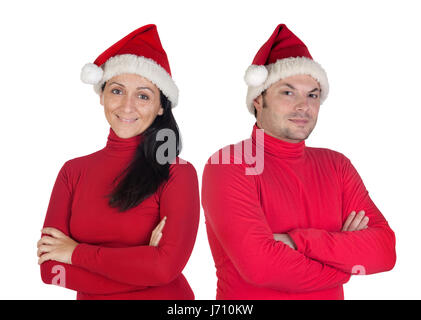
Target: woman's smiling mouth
x=126, y=120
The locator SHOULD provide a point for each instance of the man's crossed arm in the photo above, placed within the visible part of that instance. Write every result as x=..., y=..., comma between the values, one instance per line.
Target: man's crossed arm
x=371, y=249
x=354, y=222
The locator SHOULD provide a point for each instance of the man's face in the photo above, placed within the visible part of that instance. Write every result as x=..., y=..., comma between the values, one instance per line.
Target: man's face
x=289, y=108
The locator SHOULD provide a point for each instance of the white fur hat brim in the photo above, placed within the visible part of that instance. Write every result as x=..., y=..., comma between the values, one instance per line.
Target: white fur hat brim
x=130, y=63
x=280, y=69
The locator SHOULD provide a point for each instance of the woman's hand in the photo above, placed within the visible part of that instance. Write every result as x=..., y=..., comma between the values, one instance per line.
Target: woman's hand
x=57, y=246
x=157, y=233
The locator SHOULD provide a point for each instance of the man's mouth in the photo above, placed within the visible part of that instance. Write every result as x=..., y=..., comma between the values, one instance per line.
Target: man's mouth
x=299, y=121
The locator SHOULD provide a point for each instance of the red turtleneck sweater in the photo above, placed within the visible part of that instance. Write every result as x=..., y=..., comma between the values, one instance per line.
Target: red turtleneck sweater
x=113, y=259
x=305, y=192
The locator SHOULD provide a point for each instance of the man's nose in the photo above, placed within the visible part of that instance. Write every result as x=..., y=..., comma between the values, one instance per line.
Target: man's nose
x=302, y=103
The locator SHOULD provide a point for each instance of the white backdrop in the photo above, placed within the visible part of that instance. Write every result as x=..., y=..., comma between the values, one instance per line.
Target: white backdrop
x=370, y=50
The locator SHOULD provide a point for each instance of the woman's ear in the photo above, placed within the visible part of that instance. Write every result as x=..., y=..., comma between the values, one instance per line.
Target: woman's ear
x=160, y=111
x=101, y=98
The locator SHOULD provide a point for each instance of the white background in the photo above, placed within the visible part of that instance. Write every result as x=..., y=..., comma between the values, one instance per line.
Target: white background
x=370, y=50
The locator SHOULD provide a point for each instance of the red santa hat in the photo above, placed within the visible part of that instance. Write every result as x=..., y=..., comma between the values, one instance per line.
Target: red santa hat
x=140, y=52
x=283, y=55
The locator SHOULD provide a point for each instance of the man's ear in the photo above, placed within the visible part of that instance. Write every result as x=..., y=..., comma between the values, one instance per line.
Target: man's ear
x=258, y=103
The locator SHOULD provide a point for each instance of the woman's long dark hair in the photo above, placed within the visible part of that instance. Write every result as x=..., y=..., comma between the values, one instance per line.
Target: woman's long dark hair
x=144, y=174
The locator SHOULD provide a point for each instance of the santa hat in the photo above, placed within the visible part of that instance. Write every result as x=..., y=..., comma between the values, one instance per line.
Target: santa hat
x=140, y=52
x=283, y=55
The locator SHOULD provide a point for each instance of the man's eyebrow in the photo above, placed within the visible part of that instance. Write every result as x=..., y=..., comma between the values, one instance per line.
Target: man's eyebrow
x=289, y=85
x=315, y=89
x=292, y=87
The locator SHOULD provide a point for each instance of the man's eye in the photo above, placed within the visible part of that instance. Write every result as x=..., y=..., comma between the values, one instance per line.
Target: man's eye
x=288, y=93
x=313, y=95
x=116, y=91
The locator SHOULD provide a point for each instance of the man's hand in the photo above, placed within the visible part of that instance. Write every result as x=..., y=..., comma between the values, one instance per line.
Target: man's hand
x=285, y=238
x=355, y=222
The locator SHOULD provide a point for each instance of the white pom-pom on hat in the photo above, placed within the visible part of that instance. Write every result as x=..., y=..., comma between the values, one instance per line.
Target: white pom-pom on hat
x=91, y=73
x=255, y=75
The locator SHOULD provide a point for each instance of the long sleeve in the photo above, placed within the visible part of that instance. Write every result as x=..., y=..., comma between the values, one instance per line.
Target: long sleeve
x=233, y=211
x=148, y=265
x=367, y=251
x=75, y=278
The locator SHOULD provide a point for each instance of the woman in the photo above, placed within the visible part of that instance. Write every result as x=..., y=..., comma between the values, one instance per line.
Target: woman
x=121, y=222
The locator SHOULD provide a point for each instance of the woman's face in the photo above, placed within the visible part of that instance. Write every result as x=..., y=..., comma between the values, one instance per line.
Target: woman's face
x=131, y=103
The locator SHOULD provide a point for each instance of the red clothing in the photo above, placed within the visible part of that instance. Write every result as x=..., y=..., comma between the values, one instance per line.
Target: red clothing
x=113, y=259
x=305, y=192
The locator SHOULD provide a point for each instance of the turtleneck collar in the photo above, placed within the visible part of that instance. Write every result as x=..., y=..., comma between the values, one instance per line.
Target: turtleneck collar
x=280, y=148
x=120, y=146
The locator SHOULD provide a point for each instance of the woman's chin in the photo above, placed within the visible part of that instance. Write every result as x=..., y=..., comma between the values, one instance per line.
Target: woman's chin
x=126, y=131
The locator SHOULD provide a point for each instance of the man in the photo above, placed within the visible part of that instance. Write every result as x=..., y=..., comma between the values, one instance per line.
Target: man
x=303, y=222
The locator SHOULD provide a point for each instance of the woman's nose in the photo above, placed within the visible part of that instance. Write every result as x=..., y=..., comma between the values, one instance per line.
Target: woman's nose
x=128, y=103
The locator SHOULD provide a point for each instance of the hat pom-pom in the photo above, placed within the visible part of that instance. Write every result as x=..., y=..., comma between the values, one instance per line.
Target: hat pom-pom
x=91, y=73
x=255, y=75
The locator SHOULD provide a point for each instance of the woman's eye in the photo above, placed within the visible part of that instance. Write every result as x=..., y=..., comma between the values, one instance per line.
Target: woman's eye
x=116, y=91
x=144, y=97
x=288, y=93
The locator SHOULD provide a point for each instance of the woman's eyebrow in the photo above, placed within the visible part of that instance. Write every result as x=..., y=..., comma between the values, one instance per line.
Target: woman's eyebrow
x=139, y=88
x=117, y=83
